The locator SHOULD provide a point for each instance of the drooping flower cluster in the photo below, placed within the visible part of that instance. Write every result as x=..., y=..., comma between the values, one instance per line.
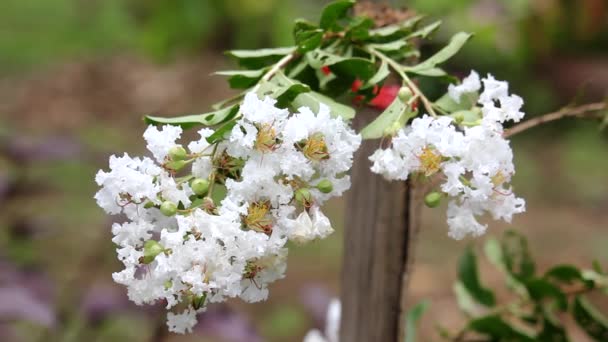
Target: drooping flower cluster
x=219, y=230
x=475, y=161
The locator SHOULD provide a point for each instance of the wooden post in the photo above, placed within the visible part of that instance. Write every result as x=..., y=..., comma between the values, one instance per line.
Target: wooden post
x=376, y=250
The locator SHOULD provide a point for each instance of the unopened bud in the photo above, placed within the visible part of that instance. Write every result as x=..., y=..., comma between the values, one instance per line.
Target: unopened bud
x=303, y=196
x=432, y=199
x=325, y=186
x=405, y=93
x=175, y=165
x=200, y=186
x=148, y=205
x=151, y=249
x=199, y=301
x=178, y=152
x=168, y=208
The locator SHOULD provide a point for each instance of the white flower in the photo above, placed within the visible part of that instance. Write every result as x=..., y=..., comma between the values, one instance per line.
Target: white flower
x=160, y=142
x=306, y=228
x=183, y=322
x=469, y=84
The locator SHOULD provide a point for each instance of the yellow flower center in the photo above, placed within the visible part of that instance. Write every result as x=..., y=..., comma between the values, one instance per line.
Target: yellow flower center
x=266, y=140
x=498, y=179
x=315, y=148
x=258, y=217
x=430, y=161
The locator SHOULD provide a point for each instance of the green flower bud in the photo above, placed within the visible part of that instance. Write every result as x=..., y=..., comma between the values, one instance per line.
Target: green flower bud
x=175, y=165
x=432, y=199
x=168, y=284
x=200, y=186
x=151, y=249
x=325, y=186
x=304, y=197
x=178, y=152
x=148, y=205
x=168, y=208
x=405, y=93
x=199, y=301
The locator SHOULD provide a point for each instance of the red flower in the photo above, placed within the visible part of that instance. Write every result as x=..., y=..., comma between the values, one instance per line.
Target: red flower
x=385, y=96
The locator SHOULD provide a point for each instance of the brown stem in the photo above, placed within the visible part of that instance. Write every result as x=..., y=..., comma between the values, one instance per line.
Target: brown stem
x=589, y=110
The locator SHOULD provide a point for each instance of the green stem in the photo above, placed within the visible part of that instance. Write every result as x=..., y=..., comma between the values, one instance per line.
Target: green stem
x=399, y=70
x=212, y=176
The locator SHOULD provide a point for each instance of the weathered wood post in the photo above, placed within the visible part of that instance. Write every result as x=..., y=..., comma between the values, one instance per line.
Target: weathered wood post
x=376, y=250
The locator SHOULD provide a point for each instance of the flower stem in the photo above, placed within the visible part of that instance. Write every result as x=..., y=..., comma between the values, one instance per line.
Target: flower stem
x=399, y=70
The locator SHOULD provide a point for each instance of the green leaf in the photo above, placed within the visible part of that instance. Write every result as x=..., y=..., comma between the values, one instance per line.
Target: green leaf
x=448, y=105
x=188, y=121
x=358, y=28
x=540, y=289
x=396, y=114
x=567, y=274
x=333, y=12
x=466, y=303
x=592, y=321
x=552, y=329
x=413, y=316
x=256, y=59
x=395, y=45
x=499, y=330
x=311, y=99
x=425, y=31
x=242, y=79
x=354, y=68
x=431, y=72
x=395, y=31
x=382, y=73
x=468, y=275
x=309, y=40
x=221, y=132
x=517, y=257
x=493, y=251
x=289, y=95
x=319, y=58
x=455, y=44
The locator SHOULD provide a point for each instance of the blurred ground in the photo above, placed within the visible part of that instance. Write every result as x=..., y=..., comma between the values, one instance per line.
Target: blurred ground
x=62, y=119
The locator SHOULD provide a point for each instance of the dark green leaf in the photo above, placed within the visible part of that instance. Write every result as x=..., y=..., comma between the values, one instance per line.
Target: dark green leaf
x=221, y=132
x=552, y=330
x=309, y=99
x=591, y=320
x=394, y=116
x=257, y=59
x=413, y=315
x=289, y=94
x=302, y=25
x=352, y=68
x=393, y=32
x=517, y=257
x=320, y=58
x=358, y=28
x=188, y=121
x=309, y=40
x=540, y=289
x=567, y=274
x=242, y=79
x=457, y=41
x=498, y=329
x=333, y=12
x=468, y=275
x=466, y=303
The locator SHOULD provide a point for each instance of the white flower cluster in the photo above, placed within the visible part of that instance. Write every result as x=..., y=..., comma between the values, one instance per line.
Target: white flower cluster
x=178, y=246
x=476, y=162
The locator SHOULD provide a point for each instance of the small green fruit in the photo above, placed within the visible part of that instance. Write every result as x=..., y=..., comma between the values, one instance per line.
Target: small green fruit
x=303, y=196
x=432, y=199
x=200, y=186
x=175, y=165
x=325, y=186
x=405, y=94
x=178, y=152
x=168, y=208
x=151, y=249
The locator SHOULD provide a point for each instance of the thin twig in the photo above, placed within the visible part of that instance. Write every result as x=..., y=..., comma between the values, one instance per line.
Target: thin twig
x=588, y=110
x=413, y=87
x=275, y=68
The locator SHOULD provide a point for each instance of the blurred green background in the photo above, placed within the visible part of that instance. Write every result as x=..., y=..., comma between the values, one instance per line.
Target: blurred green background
x=76, y=76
